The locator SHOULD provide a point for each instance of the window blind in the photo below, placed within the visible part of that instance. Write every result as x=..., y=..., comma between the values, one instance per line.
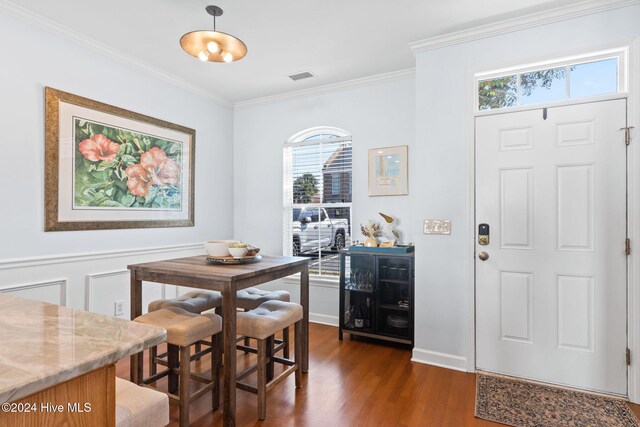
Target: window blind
x=317, y=202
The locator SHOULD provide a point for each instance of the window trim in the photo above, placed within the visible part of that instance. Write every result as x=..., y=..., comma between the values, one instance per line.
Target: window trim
x=303, y=135
x=620, y=53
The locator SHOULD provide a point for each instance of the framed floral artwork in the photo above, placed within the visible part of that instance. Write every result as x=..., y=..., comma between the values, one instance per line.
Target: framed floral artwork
x=388, y=174
x=110, y=168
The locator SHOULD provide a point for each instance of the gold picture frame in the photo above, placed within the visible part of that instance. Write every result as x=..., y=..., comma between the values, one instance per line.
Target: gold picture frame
x=111, y=168
x=388, y=171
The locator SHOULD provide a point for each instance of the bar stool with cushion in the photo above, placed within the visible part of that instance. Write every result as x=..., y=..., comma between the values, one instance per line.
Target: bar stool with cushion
x=194, y=302
x=261, y=324
x=183, y=330
x=251, y=298
x=140, y=406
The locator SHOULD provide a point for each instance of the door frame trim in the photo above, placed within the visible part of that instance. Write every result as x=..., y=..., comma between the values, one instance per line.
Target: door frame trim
x=633, y=231
x=633, y=210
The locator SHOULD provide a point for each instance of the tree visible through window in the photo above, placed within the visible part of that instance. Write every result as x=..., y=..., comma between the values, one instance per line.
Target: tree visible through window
x=569, y=81
x=304, y=188
x=317, y=197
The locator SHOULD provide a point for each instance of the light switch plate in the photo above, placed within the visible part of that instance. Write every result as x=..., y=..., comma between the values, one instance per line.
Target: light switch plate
x=437, y=226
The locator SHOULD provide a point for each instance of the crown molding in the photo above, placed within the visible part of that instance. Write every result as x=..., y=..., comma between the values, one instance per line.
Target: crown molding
x=519, y=23
x=25, y=15
x=334, y=87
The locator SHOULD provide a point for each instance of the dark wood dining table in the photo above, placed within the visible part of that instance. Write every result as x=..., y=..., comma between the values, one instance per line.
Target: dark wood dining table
x=196, y=272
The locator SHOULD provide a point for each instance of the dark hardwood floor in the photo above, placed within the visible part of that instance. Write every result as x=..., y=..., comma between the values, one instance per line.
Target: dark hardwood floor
x=353, y=383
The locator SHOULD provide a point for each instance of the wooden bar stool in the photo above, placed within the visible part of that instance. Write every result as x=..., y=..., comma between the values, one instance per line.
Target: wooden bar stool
x=183, y=330
x=251, y=298
x=261, y=324
x=193, y=302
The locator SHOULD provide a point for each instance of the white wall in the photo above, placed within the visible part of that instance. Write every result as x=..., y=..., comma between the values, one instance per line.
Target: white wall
x=444, y=133
x=378, y=115
x=33, y=58
x=440, y=161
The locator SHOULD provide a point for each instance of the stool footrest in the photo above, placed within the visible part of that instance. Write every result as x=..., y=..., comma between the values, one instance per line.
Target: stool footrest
x=274, y=382
x=242, y=338
x=200, y=378
x=246, y=372
x=283, y=361
x=155, y=377
x=161, y=359
x=171, y=396
x=247, y=387
x=245, y=348
x=196, y=394
x=284, y=374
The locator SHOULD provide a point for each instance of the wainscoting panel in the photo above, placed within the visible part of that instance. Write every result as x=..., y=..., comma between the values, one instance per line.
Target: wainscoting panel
x=106, y=291
x=103, y=274
x=53, y=292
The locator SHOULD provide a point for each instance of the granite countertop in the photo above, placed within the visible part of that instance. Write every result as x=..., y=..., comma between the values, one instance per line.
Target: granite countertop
x=42, y=344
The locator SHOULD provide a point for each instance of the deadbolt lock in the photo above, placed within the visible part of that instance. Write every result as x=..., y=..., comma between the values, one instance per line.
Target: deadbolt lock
x=483, y=234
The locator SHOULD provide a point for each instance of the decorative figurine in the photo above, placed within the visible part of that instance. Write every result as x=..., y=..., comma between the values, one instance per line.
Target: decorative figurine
x=372, y=231
x=393, y=235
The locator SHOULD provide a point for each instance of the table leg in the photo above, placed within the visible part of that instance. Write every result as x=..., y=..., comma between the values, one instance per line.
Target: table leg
x=304, y=301
x=229, y=359
x=136, y=310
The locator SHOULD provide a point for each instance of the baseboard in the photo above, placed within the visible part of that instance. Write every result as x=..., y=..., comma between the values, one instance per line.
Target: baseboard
x=442, y=360
x=323, y=319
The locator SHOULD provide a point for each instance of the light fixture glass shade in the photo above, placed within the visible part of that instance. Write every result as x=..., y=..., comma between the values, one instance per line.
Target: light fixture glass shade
x=230, y=48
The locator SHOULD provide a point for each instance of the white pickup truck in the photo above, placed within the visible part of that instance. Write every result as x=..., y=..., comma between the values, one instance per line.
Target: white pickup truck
x=313, y=230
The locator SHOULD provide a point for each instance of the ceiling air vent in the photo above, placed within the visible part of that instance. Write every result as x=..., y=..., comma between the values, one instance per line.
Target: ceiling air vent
x=301, y=76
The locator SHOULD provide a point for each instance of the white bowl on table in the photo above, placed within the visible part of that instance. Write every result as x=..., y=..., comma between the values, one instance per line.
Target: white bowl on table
x=238, y=252
x=218, y=247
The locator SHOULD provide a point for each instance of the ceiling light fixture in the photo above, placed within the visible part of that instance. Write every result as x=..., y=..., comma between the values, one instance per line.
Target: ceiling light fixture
x=213, y=46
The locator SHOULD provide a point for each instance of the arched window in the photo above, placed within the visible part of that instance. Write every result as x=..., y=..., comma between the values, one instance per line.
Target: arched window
x=317, y=196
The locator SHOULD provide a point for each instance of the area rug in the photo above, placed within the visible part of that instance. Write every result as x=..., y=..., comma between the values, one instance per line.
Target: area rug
x=522, y=403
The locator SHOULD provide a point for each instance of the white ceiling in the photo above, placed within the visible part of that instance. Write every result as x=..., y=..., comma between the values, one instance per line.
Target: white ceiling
x=338, y=40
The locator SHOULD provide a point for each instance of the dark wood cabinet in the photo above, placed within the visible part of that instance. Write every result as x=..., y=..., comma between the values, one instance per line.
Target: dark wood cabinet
x=377, y=294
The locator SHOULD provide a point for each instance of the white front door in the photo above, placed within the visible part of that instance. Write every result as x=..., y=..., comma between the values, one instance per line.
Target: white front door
x=551, y=302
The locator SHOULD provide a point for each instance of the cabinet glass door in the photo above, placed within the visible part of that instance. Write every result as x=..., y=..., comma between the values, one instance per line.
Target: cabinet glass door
x=393, y=296
x=359, y=288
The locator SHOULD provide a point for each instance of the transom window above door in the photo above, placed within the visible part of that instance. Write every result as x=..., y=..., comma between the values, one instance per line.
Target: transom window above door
x=597, y=74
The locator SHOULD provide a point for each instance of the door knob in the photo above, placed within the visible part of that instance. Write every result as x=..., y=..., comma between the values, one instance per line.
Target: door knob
x=483, y=256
